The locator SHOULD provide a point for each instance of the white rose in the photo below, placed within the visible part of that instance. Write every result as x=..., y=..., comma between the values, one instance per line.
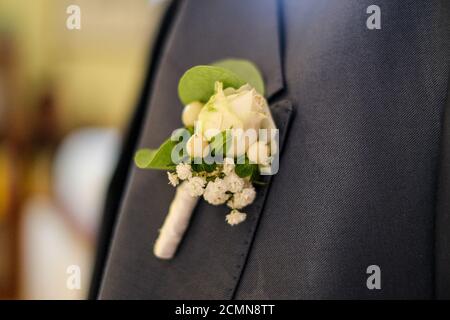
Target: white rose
x=238, y=109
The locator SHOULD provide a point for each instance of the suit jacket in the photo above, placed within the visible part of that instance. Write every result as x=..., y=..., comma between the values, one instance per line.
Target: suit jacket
x=364, y=173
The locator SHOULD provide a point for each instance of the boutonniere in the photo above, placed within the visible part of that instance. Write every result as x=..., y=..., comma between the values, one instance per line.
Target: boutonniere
x=229, y=140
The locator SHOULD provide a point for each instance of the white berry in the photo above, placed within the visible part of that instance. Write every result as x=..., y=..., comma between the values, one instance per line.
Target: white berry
x=190, y=113
x=259, y=153
x=197, y=146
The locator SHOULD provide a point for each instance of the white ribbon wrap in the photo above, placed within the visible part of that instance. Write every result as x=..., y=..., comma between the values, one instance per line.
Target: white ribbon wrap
x=176, y=223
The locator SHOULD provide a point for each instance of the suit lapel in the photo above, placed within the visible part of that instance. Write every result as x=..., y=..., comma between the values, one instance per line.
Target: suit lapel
x=212, y=254
x=211, y=30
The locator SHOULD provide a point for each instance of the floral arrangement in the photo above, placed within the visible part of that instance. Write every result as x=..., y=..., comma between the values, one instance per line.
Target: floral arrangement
x=228, y=141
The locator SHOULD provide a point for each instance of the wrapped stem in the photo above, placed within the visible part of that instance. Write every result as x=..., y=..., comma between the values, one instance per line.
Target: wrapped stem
x=175, y=224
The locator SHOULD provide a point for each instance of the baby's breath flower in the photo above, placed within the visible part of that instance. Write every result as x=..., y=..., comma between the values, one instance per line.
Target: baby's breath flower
x=228, y=165
x=235, y=217
x=173, y=178
x=195, y=186
x=215, y=192
x=243, y=198
x=184, y=171
x=234, y=182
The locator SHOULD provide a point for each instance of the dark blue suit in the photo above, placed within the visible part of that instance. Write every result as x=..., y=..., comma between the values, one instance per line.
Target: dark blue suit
x=364, y=171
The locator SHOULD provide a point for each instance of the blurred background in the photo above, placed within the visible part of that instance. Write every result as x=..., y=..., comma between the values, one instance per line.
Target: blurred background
x=65, y=100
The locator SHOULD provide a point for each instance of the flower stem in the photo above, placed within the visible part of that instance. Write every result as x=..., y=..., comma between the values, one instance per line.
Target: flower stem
x=175, y=224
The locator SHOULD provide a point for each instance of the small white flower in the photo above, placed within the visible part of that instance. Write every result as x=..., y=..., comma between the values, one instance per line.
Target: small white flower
x=215, y=192
x=173, y=179
x=243, y=198
x=234, y=182
x=184, y=171
x=235, y=217
x=228, y=165
x=195, y=186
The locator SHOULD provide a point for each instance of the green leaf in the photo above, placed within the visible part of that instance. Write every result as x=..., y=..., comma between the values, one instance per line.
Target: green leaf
x=255, y=175
x=143, y=157
x=197, y=84
x=246, y=170
x=200, y=167
x=246, y=70
x=160, y=159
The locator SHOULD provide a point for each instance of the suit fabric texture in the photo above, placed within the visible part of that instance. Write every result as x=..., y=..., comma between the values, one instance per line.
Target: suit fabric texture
x=364, y=173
